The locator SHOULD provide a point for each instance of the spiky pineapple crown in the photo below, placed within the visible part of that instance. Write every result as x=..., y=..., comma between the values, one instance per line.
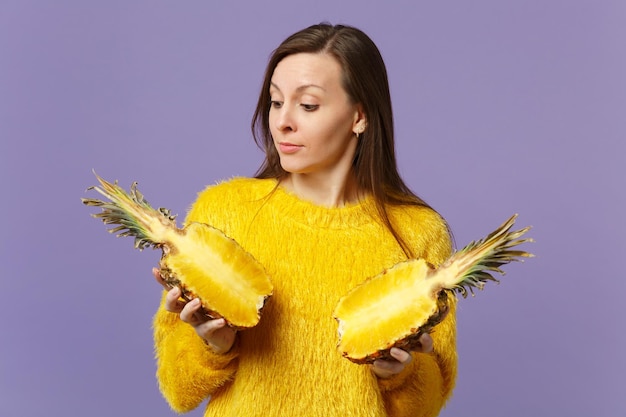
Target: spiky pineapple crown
x=131, y=211
x=479, y=259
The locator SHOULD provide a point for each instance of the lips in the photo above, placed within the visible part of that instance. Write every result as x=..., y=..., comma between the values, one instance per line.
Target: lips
x=288, y=148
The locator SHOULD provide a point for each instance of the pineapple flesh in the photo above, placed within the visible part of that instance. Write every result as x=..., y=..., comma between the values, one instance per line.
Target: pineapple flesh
x=394, y=308
x=198, y=258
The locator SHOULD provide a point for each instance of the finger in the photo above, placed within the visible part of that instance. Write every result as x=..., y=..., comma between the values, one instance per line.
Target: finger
x=387, y=365
x=217, y=335
x=173, y=303
x=401, y=356
x=209, y=327
x=427, y=343
x=157, y=275
x=387, y=368
x=188, y=313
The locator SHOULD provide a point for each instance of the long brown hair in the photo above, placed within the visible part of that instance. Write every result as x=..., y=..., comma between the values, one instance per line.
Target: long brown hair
x=364, y=78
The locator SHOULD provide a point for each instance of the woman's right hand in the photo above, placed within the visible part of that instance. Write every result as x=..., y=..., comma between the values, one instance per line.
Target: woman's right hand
x=215, y=332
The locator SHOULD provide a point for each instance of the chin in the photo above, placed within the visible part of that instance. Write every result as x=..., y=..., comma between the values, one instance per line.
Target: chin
x=292, y=168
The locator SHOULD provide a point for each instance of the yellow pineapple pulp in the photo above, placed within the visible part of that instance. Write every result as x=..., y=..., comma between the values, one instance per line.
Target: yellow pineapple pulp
x=200, y=259
x=394, y=308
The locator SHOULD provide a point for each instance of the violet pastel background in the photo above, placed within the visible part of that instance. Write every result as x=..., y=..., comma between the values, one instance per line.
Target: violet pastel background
x=501, y=107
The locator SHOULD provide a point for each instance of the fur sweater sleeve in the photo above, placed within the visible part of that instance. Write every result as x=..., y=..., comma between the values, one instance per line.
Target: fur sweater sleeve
x=187, y=370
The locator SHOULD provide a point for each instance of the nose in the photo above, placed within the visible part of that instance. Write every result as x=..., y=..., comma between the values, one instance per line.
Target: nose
x=283, y=119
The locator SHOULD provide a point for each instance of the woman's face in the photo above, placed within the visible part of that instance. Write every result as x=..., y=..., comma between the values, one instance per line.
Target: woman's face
x=312, y=120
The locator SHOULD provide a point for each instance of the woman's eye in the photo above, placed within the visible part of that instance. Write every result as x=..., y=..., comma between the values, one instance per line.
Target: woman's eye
x=310, y=107
x=276, y=104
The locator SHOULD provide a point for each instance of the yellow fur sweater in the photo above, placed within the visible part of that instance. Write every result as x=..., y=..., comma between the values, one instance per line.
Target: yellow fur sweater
x=288, y=365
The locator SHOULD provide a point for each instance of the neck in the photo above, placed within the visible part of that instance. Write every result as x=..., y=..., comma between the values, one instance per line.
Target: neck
x=326, y=192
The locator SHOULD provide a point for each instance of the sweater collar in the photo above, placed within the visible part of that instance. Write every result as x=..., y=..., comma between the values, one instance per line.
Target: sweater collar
x=305, y=212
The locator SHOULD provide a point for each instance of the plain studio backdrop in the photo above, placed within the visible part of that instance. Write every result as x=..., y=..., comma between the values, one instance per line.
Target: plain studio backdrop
x=501, y=107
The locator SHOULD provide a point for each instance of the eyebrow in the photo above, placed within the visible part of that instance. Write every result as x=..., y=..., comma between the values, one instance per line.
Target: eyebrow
x=300, y=88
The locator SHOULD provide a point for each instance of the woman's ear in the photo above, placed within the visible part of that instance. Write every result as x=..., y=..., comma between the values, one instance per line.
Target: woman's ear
x=360, y=121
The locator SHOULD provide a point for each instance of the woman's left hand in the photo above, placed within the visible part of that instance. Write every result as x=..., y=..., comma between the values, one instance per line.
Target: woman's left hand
x=386, y=368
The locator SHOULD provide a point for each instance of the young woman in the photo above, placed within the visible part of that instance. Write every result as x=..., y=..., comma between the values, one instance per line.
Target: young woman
x=326, y=210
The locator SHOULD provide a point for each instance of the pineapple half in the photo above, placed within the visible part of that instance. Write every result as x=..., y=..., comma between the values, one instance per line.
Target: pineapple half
x=394, y=308
x=199, y=259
